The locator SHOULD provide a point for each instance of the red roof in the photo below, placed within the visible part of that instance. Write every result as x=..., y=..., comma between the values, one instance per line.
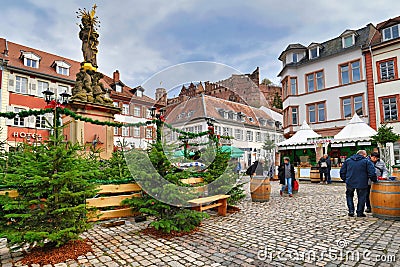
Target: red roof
x=45, y=63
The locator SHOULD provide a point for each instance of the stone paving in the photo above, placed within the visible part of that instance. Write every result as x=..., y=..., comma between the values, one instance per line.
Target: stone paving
x=310, y=229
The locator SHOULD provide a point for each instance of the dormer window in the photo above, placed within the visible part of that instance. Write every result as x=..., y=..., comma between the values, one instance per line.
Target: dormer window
x=348, y=38
x=295, y=58
x=391, y=32
x=314, y=52
x=63, y=71
x=31, y=63
x=61, y=67
x=118, y=88
x=348, y=41
x=30, y=59
x=139, y=93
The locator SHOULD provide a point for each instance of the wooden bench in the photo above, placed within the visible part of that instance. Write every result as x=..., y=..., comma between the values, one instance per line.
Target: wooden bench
x=198, y=203
x=221, y=203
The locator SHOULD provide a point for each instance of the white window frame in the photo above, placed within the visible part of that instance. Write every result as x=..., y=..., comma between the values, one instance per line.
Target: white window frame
x=249, y=136
x=63, y=70
x=258, y=136
x=33, y=63
x=391, y=31
x=125, y=131
x=312, y=49
x=390, y=109
x=136, y=111
x=125, y=109
x=238, y=134
x=295, y=57
x=40, y=122
x=116, y=131
x=19, y=82
x=385, y=67
x=19, y=122
x=344, y=38
x=295, y=113
x=136, y=131
x=149, y=133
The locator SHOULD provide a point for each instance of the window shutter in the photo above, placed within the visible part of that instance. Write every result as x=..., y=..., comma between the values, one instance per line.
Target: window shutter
x=30, y=122
x=8, y=121
x=32, y=87
x=11, y=83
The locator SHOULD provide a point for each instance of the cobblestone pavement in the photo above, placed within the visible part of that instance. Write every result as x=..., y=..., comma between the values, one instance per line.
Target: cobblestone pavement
x=310, y=229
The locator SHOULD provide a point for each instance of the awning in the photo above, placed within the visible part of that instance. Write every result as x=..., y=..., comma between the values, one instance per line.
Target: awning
x=234, y=151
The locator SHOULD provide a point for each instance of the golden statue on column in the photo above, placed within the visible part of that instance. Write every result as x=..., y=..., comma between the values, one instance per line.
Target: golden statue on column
x=88, y=87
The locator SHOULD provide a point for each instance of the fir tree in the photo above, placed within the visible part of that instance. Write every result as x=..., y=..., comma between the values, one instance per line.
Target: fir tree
x=52, y=183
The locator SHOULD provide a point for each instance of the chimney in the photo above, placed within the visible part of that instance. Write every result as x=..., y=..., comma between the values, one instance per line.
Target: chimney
x=116, y=76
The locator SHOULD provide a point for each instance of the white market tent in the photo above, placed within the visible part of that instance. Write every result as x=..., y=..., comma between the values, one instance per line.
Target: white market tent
x=299, y=139
x=355, y=130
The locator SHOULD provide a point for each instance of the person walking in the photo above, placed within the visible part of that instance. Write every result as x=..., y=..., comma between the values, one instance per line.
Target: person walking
x=323, y=169
x=328, y=173
x=381, y=171
x=286, y=175
x=356, y=171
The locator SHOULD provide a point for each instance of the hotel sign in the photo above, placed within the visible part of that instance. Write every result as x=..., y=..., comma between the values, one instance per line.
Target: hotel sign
x=26, y=135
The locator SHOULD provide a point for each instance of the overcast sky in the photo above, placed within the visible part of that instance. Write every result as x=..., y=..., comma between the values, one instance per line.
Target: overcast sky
x=142, y=37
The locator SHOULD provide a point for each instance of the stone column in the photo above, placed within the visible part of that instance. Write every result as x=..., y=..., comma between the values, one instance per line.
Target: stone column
x=85, y=133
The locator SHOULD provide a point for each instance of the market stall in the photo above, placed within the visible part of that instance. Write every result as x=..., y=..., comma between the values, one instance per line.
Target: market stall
x=354, y=136
x=300, y=150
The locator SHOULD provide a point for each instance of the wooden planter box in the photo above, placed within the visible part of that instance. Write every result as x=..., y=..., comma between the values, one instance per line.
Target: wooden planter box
x=117, y=194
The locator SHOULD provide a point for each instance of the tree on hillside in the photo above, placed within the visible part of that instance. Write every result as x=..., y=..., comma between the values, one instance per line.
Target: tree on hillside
x=266, y=81
x=277, y=102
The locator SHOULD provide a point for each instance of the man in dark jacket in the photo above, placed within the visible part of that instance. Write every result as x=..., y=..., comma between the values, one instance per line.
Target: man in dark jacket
x=323, y=169
x=356, y=171
x=286, y=175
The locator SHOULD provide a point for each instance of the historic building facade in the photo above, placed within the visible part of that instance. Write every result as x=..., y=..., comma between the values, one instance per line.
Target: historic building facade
x=324, y=84
x=382, y=57
x=26, y=72
x=135, y=108
x=250, y=127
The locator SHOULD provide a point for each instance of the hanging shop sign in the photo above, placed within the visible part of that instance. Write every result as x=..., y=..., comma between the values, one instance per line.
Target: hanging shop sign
x=349, y=144
x=25, y=135
x=320, y=140
x=364, y=143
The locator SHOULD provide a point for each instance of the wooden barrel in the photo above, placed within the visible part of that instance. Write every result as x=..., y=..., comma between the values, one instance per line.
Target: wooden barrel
x=260, y=189
x=314, y=175
x=385, y=200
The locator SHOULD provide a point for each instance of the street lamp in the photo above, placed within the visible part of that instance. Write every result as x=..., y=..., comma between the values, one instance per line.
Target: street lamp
x=153, y=112
x=53, y=104
x=47, y=96
x=159, y=122
x=64, y=97
x=210, y=121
